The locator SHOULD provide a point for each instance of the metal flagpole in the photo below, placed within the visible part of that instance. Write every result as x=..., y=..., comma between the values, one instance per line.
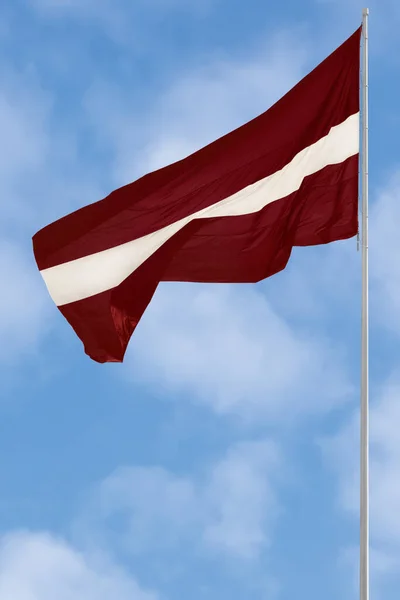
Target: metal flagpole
x=364, y=409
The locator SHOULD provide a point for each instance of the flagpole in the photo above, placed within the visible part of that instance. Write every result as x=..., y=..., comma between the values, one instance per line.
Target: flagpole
x=364, y=408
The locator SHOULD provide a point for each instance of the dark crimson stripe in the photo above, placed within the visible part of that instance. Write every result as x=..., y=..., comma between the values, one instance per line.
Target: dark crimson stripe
x=323, y=99
x=225, y=249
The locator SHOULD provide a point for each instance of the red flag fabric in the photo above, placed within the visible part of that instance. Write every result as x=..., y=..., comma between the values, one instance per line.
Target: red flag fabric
x=231, y=212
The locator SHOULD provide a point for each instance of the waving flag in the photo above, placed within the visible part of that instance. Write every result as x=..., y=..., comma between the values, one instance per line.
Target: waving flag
x=231, y=212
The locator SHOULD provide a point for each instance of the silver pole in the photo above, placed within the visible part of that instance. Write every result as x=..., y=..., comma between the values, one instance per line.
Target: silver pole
x=364, y=416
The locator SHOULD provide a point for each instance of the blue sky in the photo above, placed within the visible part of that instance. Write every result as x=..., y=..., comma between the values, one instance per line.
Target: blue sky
x=220, y=460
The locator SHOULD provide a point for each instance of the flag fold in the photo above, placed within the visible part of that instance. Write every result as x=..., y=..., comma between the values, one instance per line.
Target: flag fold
x=231, y=212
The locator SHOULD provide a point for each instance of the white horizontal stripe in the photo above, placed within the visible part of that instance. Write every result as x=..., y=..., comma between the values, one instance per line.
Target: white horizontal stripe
x=90, y=275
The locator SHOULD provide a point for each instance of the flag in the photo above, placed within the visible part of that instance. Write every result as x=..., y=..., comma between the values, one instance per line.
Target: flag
x=230, y=212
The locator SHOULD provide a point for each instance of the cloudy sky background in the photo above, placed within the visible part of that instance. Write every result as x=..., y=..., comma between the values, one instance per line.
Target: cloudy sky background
x=220, y=461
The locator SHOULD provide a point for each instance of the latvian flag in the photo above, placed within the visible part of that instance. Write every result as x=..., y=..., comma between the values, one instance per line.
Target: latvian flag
x=230, y=212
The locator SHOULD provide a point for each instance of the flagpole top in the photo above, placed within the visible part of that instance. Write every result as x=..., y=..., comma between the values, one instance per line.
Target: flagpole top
x=365, y=12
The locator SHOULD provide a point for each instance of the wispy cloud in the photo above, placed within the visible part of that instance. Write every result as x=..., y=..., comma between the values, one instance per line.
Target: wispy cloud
x=24, y=309
x=385, y=270
x=40, y=178
x=224, y=515
x=24, y=111
x=226, y=347
x=39, y=566
x=229, y=510
x=385, y=406
x=195, y=109
x=343, y=450
x=383, y=23
x=120, y=20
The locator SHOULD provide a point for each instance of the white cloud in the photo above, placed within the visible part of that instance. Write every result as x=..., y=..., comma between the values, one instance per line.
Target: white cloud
x=24, y=109
x=385, y=271
x=33, y=189
x=88, y=7
x=343, y=453
x=384, y=569
x=242, y=497
x=342, y=450
x=385, y=464
x=22, y=119
x=196, y=108
x=384, y=21
x=169, y=521
x=385, y=483
x=38, y=566
x=24, y=314
x=230, y=510
x=224, y=95
x=122, y=21
x=226, y=347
